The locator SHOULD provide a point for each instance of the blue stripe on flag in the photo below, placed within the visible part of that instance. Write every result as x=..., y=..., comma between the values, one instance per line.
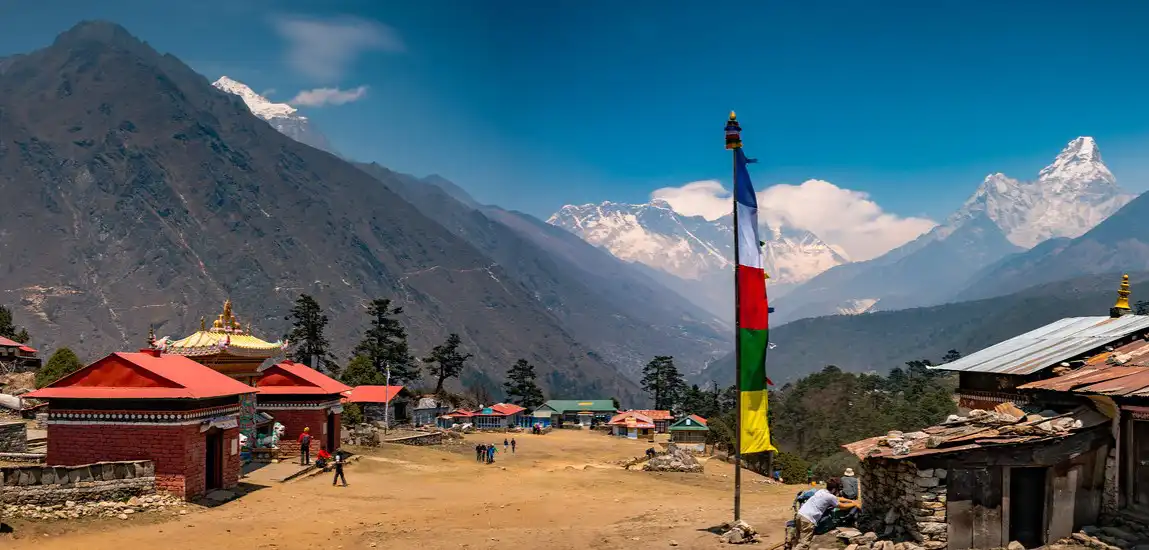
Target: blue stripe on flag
x=743, y=189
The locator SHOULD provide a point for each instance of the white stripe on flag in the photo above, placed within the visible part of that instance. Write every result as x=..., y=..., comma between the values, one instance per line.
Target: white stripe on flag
x=749, y=254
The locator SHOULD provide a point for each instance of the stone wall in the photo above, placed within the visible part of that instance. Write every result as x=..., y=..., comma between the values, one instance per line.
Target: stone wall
x=52, y=485
x=13, y=437
x=432, y=438
x=899, y=501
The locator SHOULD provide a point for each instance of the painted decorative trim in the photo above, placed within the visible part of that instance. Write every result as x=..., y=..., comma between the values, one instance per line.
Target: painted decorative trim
x=993, y=397
x=299, y=406
x=161, y=418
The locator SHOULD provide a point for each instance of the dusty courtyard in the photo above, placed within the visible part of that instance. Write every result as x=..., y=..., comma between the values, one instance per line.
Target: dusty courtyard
x=560, y=490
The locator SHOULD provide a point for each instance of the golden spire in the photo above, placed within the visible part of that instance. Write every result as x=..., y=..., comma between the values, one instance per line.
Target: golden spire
x=1123, y=294
x=732, y=116
x=202, y=323
x=151, y=336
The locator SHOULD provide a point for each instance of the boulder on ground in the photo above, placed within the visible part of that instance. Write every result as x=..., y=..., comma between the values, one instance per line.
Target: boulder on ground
x=739, y=532
x=673, y=460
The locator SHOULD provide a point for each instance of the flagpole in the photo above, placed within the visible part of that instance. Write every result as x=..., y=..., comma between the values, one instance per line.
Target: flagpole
x=734, y=146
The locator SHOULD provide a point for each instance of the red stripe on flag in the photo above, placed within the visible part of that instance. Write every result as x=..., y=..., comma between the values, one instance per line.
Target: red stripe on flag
x=752, y=308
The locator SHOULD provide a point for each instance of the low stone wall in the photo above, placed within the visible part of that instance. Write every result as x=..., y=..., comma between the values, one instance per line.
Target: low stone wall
x=901, y=501
x=433, y=438
x=51, y=485
x=13, y=437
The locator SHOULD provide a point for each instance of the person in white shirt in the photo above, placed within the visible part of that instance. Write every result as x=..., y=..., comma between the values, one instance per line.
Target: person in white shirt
x=815, y=508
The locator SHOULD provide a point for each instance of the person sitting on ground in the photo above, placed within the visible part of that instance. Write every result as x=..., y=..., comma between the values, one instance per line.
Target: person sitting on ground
x=323, y=458
x=821, y=504
x=849, y=484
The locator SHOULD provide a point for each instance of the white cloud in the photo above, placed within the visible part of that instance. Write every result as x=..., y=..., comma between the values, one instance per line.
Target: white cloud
x=328, y=96
x=324, y=49
x=845, y=219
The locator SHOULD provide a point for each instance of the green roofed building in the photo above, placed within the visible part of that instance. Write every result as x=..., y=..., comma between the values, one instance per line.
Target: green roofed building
x=690, y=433
x=584, y=412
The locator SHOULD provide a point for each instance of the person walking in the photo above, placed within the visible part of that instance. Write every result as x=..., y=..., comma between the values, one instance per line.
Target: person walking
x=339, y=469
x=490, y=454
x=512, y=445
x=506, y=445
x=479, y=452
x=305, y=447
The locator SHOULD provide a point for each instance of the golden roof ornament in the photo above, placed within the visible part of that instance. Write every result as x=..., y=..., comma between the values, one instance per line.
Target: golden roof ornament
x=1122, y=306
x=151, y=336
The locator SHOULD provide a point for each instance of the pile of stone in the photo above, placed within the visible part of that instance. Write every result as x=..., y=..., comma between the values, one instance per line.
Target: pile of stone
x=674, y=460
x=110, y=509
x=364, y=435
x=739, y=532
x=1106, y=538
x=905, y=503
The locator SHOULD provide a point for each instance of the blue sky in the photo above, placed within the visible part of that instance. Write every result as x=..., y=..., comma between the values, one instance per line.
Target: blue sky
x=532, y=105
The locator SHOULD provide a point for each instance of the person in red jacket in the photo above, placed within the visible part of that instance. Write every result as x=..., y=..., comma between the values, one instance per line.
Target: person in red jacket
x=305, y=447
x=322, y=458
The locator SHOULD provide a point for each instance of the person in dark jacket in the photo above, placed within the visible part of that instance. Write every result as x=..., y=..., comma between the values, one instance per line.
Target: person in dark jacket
x=338, y=463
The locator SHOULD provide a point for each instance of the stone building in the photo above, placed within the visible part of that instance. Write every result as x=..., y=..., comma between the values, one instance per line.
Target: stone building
x=988, y=479
x=167, y=409
x=299, y=397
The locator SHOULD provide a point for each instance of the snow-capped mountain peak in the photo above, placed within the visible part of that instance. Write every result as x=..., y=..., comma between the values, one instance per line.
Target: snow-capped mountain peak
x=281, y=116
x=691, y=247
x=1070, y=196
x=260, y=106
x=1079, y=164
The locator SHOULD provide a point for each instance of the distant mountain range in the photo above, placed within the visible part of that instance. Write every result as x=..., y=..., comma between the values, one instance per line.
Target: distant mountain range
x=809, y=278
x=883, y=340
x=281, y=116
x=148, y=196
x=695, y=251
x=1004, y=216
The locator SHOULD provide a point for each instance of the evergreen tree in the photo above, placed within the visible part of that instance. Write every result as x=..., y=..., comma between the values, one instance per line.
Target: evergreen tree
x=661, y=379
x=306, y=336
x=521, y=387
x=616, y=403
x=951, y=356
x=385, y=343
x=447, y=361
x=696, y=401
x=8, y=328
x=360, y=372
x=62, y=363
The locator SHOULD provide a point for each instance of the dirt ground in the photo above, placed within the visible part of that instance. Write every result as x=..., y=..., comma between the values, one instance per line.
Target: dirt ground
x=560, y=490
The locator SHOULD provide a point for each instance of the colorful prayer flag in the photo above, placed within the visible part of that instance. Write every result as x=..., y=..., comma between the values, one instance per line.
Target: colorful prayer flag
x=753, y=315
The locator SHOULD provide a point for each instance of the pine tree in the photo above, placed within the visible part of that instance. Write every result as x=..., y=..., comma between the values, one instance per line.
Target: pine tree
x=62, y=363
x=385, y=343
x=8, y=328
x=447, y=361
x=360, y=372
x=661, y=379
x=306, y=336
x=521, y=387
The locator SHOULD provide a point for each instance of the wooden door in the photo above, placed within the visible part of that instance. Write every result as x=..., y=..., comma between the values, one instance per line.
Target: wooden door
x=1139, y=465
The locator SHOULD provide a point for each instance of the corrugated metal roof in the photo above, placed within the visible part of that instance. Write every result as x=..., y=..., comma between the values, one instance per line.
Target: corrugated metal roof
x=1049, y=345
x=1114, y=381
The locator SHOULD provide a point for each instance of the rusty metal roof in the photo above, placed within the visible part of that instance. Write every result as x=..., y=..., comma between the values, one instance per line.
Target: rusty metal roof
x=975, y=433
x=1114, y=381
x=1049, y=345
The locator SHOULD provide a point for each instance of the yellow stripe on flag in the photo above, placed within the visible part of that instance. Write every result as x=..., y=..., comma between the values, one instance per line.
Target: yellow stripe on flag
x=755, y=427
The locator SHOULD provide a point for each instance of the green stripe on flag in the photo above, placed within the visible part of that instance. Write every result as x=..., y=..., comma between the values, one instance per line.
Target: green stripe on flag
x=752, y=356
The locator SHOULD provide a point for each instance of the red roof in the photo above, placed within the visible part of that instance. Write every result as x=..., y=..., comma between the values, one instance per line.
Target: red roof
x=507, y=409
x=27, y=349
x=698, y=419
x=7, y=343
x=143, y=375
x=291, y=378
x=632, y=419
x=655, y=415
x=461, y=413
x=373, y=394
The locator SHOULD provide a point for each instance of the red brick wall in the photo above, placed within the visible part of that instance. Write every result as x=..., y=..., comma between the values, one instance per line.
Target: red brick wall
x=179, y=452
x=294, y=422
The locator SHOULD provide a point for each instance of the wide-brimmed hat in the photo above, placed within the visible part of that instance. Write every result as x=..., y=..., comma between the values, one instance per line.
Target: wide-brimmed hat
x=848, y=472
